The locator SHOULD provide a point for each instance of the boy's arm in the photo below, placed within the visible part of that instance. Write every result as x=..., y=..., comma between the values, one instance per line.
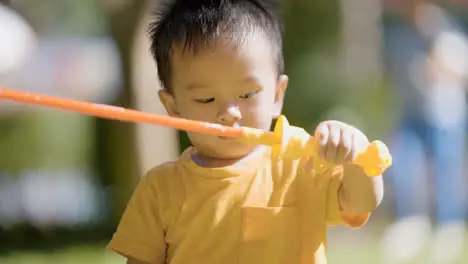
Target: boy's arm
x=359, y=192
x=140, y=234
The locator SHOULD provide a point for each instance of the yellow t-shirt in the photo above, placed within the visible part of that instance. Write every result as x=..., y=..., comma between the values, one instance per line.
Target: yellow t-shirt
x=260, y=210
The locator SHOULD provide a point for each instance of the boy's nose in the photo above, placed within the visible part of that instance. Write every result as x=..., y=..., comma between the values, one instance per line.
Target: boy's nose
x=229, y=115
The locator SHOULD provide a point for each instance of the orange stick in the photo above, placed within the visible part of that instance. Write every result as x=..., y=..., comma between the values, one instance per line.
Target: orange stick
x=119, y=113
x=374, y=160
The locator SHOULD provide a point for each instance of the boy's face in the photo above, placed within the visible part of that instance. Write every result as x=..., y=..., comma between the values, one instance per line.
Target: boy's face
x=228, y=85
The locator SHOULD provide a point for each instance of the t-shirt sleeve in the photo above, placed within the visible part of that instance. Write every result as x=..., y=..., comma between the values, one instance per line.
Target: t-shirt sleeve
x=140, y=233
x=335, y=215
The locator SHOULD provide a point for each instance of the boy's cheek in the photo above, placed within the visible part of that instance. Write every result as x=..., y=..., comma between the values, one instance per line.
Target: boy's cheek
x=206, y=115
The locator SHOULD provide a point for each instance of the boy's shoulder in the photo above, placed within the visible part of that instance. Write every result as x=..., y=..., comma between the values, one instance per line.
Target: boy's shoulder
x=167, y=173
x=162, y=171
x=165, y=180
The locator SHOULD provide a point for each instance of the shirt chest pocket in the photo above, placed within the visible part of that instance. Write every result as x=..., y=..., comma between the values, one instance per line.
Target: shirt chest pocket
x=270, y=235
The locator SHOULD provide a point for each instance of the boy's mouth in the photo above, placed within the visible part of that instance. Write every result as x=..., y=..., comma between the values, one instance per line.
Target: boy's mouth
x=229, y=138
x=226, y=138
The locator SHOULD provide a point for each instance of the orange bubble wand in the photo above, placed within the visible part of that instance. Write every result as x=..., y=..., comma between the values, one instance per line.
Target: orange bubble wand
x=285, y=140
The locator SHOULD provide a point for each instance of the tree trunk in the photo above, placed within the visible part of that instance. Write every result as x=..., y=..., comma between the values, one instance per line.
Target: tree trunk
x=117, y=155
x=156, y=144
x=311, y=48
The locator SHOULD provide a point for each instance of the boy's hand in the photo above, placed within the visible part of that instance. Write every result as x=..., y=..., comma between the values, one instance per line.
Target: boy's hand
x=339, y=143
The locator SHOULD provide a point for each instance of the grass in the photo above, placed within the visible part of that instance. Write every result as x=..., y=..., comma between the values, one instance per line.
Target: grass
x=369, y=254
x=73, y=255
x=345, y=247
x=356, y=246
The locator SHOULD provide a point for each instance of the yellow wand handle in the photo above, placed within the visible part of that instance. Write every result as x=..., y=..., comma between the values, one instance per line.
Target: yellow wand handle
x=294, y=142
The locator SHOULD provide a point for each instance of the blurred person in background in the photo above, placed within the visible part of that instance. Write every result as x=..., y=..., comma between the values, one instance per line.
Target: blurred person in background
x=426, y=55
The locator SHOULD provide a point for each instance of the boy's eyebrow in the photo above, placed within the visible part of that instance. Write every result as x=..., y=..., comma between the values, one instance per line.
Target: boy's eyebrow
x=250, y=79
x=196, y=85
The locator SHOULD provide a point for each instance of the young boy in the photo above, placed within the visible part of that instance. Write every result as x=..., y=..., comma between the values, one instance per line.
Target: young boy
x=224, y=200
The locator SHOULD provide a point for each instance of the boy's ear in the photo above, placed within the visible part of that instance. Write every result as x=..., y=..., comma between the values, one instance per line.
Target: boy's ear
x=281, y=87
x=167, y=99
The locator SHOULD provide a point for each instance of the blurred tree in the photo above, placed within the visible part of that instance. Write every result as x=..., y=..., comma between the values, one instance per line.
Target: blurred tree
x=311, y=54
x=365, y=94
x=117, y=153
x=319, y=88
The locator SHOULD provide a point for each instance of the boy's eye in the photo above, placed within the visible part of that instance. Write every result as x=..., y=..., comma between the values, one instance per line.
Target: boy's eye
x=205, y=101
x=248, y=95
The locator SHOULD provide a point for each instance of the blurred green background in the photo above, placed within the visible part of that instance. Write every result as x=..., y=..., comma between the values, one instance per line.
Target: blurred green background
x=65, y=178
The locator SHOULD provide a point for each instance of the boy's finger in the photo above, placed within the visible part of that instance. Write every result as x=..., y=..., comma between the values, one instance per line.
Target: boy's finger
x=333, y=143
x=345, y=147
x=321, y=135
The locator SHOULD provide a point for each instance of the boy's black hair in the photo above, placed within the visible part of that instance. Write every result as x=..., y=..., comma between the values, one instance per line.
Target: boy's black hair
x=195, y=23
